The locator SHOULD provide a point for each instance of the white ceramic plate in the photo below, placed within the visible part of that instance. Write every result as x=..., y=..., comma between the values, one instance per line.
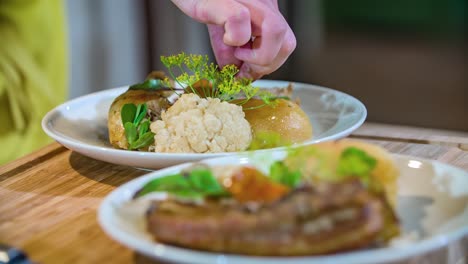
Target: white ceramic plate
x=432, y=207
x=81, y=124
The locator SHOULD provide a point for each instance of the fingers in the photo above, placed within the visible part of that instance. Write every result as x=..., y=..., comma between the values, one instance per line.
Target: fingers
x=224, y=54
x=232, y=23
x=255, y=66
x=231, y=15
x=273, y=43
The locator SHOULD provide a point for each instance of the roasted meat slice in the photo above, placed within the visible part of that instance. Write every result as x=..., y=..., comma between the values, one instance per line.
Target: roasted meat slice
x=319, y=219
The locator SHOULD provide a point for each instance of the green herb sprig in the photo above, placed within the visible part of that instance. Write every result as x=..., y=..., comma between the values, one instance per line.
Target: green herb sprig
x=187, y=70
x=282, y=174
x=136, y=126
x=356, y=162
x=198, y=183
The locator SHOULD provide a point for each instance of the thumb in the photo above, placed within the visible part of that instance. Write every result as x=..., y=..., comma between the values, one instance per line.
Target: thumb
x=233, y=16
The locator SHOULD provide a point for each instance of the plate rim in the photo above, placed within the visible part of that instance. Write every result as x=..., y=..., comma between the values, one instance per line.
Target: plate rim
x=379, y=255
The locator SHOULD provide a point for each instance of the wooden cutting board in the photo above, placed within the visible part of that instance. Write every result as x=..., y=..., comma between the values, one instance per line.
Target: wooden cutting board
x=48, y=200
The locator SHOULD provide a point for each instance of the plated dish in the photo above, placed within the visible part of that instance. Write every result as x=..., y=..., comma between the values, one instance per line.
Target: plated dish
x=431, y=211
x=81, y=124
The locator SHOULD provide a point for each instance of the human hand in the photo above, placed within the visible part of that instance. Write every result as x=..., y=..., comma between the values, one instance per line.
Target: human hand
x=251, y=34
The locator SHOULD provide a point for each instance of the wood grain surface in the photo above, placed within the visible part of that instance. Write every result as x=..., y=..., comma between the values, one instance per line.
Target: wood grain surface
x=48, y=200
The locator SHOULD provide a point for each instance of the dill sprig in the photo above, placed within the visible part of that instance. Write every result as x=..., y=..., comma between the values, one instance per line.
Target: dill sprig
x=188, y=69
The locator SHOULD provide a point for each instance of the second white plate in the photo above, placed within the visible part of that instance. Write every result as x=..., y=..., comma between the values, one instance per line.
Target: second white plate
x=432, y=208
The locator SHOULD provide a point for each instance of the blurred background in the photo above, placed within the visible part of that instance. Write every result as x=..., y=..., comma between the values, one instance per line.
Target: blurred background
x=407, y=61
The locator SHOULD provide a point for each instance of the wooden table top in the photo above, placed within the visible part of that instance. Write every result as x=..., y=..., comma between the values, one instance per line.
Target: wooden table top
x=48, y=199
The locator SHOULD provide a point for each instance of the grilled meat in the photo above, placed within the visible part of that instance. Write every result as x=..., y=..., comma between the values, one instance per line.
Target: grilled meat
x=320, y=219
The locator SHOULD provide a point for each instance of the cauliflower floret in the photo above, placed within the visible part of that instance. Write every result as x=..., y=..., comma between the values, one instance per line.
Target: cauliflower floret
x=200, y=125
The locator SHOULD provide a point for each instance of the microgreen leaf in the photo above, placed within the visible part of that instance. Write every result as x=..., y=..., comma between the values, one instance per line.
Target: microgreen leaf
x=140, y=113
x=198, y=183
x=136, y=126
x=144, y=126
x=128, y=113
x=138, y=110
x=143, y=141
x=280, y=173
x=356, y=162
x=130, y=133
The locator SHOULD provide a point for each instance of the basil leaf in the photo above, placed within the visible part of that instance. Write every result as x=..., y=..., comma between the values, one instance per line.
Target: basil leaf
x=130, y=133
x=152, y=84
x=280, y=173
x=356, y=162
x=141, y=113
x=128, y=113
x=143, y=141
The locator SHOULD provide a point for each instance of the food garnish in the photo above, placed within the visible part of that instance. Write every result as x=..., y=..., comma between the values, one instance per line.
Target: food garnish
x=354, y=161
x=149, y=83
x=249, y=184
x=136, y=126
x=189, y=69
x=198, y=183
x=264, y=119
x=283, y=174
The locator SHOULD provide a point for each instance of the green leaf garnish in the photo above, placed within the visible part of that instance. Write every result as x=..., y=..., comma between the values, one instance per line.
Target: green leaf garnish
x=280, y=173
x=203, y=179
x=136, y=126
x=356, y=162
x=140, y=113
x=172, y=183
x=130, y=132
x=198, y=183
x=144, y=126
x=128, y=112
x=148, y=84
x=144, y=140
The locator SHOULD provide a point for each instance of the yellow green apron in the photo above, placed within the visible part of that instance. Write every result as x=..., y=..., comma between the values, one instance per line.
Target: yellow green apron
x=33, y=72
